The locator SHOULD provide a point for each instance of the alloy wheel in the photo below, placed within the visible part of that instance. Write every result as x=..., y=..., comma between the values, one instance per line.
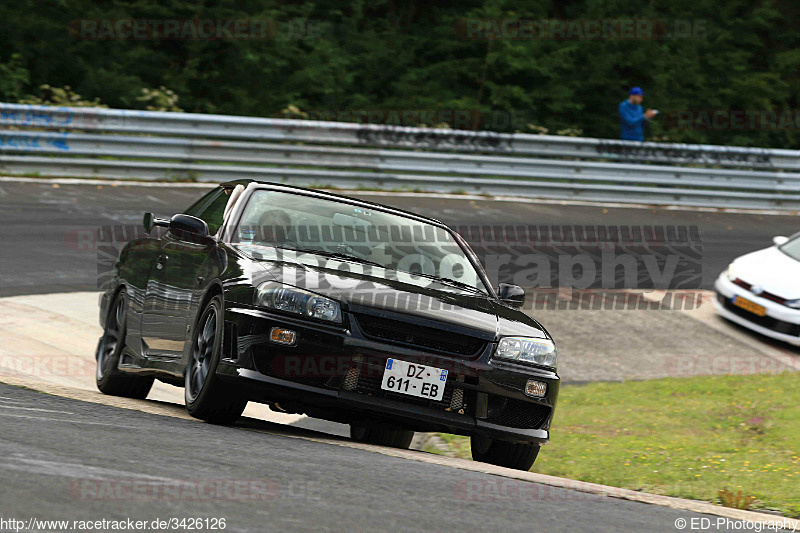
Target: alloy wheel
x=202, y=352
x=112, y=336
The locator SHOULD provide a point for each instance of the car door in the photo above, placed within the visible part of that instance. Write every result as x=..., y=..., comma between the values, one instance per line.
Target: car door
x=174, y=279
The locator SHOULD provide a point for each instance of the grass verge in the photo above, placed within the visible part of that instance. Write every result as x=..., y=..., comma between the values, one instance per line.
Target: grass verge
x=683, y=437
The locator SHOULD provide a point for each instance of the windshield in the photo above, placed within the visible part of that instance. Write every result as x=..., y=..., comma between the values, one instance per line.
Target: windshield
x=792, y=247
x=336, y=229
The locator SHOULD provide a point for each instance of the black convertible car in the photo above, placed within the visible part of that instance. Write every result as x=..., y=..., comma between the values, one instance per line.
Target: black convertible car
x=342, y=309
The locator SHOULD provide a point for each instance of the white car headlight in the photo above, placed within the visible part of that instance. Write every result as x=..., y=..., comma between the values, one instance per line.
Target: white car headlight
x=731, y=273
x=794, y=304
x=293, y=300
x=527, y=350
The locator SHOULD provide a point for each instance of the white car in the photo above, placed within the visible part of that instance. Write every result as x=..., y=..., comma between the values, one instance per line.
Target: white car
x=761, y=290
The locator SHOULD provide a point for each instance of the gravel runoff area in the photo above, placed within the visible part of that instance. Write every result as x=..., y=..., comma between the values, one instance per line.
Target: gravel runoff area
x=625, y=344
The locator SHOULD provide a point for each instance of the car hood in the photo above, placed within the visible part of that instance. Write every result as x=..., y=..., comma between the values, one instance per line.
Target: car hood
x=771, y=270
x=416, y=302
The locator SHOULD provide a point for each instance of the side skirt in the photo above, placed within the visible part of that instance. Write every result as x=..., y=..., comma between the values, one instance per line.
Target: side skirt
x=168, y=369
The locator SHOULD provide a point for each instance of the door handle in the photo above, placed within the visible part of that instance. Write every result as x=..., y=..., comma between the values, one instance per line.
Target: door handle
x=161, y=260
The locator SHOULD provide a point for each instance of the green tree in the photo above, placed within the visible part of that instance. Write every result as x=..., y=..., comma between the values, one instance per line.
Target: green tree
x=340, y=55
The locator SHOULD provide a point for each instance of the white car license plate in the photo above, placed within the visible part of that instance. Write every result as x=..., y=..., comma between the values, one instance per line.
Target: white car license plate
x=414, y=379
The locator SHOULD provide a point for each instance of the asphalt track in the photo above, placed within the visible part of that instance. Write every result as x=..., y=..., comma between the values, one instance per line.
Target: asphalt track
x=41, y=251
x=64, y=459
x=54, y=448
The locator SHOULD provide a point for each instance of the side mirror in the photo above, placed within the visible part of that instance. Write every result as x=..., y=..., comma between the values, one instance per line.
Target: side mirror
x=513, y=295
x=779, y=239
x=150, y=221
x=189, y=228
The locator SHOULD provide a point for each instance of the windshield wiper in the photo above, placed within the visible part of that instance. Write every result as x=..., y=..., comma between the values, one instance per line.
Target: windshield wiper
x=448, y=281
x=340, y=255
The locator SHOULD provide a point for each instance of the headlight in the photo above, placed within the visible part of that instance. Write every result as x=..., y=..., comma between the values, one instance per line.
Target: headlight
x=292, y=300
x=731, y=273
x=794, y=304
x=527, y=350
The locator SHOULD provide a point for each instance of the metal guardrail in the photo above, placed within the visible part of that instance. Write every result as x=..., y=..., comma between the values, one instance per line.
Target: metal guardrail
x=155, y=145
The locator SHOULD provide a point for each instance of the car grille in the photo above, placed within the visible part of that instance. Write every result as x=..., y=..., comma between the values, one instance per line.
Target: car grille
x=366, y=375
x=778, y=326
x=516, y=413
x=420, y=337
x=764, y=294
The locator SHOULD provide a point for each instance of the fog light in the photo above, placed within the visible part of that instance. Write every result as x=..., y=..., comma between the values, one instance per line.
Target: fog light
x=282, y=336
x=534, y=388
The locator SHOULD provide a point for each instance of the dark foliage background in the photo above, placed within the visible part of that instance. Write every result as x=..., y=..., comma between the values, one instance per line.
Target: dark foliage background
x=408, y=54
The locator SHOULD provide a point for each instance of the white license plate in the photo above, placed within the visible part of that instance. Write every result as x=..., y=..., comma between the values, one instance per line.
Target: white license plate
x=414, y=379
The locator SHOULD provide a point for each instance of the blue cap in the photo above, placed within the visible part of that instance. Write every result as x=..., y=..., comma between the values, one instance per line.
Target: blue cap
x=636, y=90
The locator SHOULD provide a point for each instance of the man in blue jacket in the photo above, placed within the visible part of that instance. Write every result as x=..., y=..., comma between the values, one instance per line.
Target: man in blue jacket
x=632, y=118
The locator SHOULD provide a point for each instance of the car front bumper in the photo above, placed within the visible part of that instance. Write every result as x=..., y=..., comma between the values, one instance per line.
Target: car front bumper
x=335, y=372
x=779, y=322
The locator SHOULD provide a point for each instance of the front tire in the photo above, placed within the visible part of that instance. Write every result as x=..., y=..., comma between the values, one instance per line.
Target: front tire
x=394, y=438
x=207, y=397
x=110, y=380
x=519, y=456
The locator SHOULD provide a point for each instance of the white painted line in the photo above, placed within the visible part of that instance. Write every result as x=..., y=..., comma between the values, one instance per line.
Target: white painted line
x=429, y=458
x=36, y=409
x=111, y=183
x=359, y=192
x=155, y=199
x=84, y=422
x=75, y=470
